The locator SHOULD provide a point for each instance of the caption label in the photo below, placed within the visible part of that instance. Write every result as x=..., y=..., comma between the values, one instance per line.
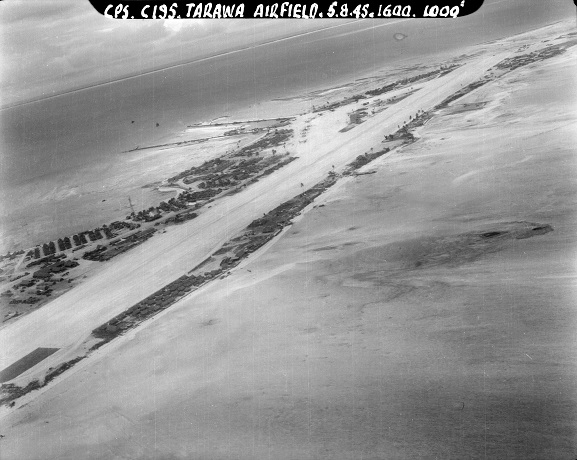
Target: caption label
x=138, y=9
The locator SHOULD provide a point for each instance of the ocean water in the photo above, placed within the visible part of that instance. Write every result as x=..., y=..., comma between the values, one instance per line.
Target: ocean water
x=46, y=143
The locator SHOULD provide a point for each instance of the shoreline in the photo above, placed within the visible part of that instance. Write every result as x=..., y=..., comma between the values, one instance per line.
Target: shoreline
x=13, y=235
x=502, y=66
x=403, y=134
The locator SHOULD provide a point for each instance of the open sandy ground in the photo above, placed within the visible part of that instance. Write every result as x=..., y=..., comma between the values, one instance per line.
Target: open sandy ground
x=135, y=275
x=379, y=326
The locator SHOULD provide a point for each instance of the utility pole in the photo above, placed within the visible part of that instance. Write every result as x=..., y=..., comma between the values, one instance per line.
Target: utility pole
x=131, y=205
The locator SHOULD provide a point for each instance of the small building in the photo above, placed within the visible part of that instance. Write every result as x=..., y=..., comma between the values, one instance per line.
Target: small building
x=355, y=118
x=110, y=328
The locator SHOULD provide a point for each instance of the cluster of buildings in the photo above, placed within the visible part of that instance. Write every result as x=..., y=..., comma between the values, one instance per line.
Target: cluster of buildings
x=444, y=70
x=214, y=177
x=41, y=283
x=528, y=58
x=11, y=255
x=116, y=227
x=49, y=270
x=271, y=139
x=221, y=174
x=104, y=253
x=79, y=239
x=258, y=233
x=154, y=303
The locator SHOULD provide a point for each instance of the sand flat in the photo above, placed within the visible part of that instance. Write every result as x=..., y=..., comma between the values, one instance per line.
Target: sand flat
x=381, y=325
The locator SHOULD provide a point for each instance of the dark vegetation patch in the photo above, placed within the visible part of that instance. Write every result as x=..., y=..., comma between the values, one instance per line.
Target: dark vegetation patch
x=25, y=363
x=257, y=234
x=443, y=70
x=10, y=392
x=330, y=248
x=506, y=66
x=326, y=248
x=103, y=253
x=492, y=234
x=466, y=107
x=540, y=230
x=362, y=160
x=468, y=247
x=391, y=260
x=210, y=322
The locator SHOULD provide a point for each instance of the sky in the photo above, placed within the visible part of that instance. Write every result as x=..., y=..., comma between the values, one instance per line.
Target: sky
x=53, y=46
x=48, y=47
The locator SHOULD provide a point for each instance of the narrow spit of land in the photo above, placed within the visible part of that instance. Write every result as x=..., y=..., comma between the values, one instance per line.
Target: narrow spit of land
x=30, y=279
x=230, y=254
